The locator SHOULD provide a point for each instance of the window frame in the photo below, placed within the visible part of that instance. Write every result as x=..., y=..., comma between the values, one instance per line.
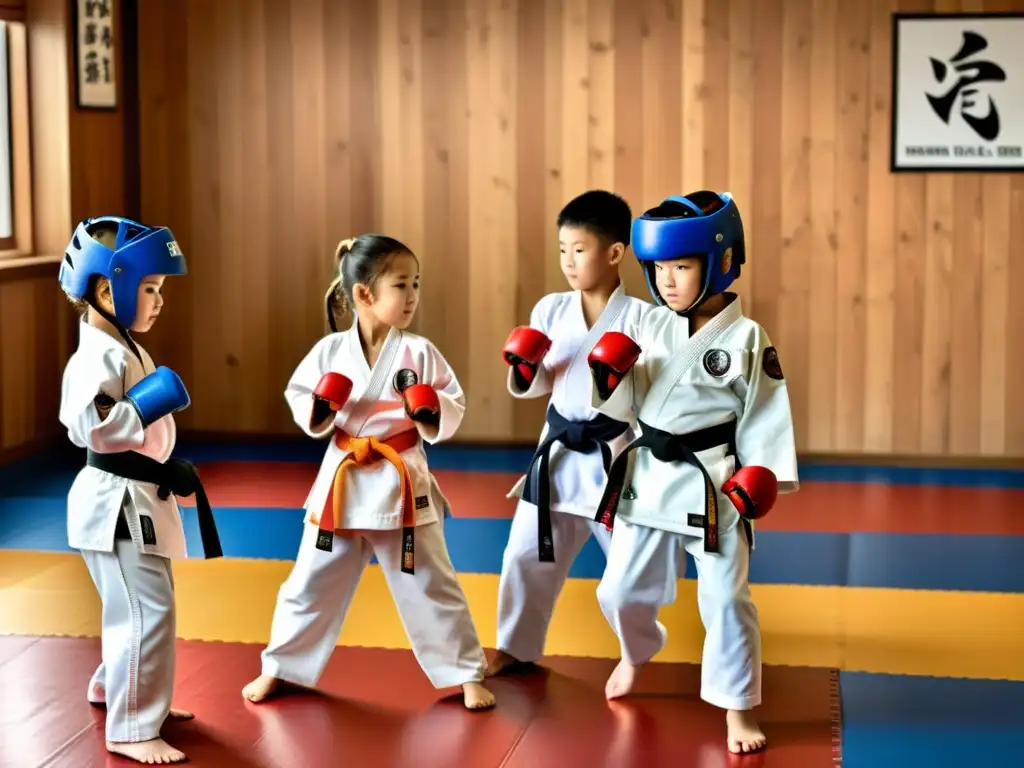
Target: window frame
x=15, y=132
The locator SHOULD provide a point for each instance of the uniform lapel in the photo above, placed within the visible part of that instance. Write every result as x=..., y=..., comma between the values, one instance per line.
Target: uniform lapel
x=690, y=352
x=376, y=377
x=616, y=304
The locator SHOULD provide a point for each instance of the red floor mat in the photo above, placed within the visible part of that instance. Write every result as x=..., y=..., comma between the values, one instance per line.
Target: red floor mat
x=378, y=710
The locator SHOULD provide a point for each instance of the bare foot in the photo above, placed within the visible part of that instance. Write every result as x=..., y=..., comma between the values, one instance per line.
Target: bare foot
x=477, y=697
x=152, y=752
x=745, y=735
x=501, y=662
x=260, y=688
x=620, y=682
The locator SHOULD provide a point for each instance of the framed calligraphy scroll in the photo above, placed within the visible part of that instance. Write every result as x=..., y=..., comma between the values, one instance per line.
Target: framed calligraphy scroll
x=94, y=54
x=958, y=92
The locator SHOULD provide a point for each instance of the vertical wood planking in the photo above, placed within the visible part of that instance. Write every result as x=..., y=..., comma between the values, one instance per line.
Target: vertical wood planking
x=288, y=339
x=555, y=195
x=1015, y=320
x=411, y=125
x=503, y=185
x=481, y=402
x=535, y=232
x=309, y=251
x=880, y=376
x=205, y=222
x=601, y=94
x=394, y=136
x=454, y=280
x=851, y=105
x=577, y=119
x=795, y=196
x=824, y=352
x=19, y=374
x=694, y=147
x=463, y=127
x=662, y=111
x=965, y=308
x=909, y=251
x=31, y=364
x=628, y=30
x=742, y=130
x=365, y=117
x=994, y=336
x=434, y=251
x=935, y=353
x=765, y=205
x=715, y=88
x=256, y=219
x=225, y=322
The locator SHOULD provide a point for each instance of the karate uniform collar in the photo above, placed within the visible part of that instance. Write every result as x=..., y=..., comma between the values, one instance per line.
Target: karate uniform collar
x=94, y=339
x=355, y=345
x=618, y=294
x=732, y=312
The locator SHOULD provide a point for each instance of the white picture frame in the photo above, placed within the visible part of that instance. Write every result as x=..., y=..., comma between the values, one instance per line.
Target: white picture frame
x=95, y=49
x=958, y=92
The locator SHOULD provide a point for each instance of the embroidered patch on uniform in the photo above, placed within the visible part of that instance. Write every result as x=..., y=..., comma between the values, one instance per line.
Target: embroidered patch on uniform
x=770, y=363
x=695, y=521
x=148, y=531
x=404, y=379
x=422, y=502
x=717, y=362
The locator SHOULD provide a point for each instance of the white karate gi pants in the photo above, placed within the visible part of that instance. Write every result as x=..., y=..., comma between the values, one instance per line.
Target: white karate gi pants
x=528, y=589
x=136, y=675
x=315, y=598
x=640, y=578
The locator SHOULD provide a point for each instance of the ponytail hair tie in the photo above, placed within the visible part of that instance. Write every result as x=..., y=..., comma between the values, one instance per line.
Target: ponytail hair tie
x=335, y=301
x=344, y=247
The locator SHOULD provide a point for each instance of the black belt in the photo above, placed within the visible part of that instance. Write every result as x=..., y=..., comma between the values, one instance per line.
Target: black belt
x=669, y=447
x=175, y=476
x=580, y=436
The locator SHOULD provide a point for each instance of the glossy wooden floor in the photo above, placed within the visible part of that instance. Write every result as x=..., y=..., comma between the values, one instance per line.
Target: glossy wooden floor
x=375, y=709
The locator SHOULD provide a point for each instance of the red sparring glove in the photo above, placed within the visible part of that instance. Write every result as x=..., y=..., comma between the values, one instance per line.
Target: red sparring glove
x=523, y=352
x=752, y=490
x=334, y=389
x=610, y=360
x=422, y=404
x=330, y=395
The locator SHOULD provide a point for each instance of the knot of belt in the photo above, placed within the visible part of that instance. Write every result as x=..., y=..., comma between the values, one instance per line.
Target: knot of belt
x=175, y=476
x=579, y=436
x=576, y=437
x=361, y=452
x=670, y=447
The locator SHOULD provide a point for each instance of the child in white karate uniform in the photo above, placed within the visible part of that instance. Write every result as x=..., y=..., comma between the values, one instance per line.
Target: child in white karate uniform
x=559, y=494
x=717, y=445
x=122, y=512
x=376, y=392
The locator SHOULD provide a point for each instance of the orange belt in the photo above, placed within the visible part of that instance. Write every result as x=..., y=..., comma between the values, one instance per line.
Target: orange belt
x=363, y=451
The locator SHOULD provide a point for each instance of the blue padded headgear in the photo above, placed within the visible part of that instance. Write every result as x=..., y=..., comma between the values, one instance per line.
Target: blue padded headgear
x=701, y=224
x=139, y=252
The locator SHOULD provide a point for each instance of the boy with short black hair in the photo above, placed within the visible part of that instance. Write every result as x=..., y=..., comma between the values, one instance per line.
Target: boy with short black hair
x=559, y=493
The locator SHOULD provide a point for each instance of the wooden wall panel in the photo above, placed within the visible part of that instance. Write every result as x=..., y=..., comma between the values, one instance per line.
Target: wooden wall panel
x=33, y=348
x=270, y=130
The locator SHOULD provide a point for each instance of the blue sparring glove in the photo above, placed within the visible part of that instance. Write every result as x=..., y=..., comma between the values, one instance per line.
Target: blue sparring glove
x=160, y=393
